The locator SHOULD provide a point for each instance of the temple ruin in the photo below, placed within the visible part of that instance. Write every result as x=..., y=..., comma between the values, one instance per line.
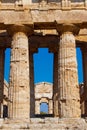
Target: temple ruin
x=60, y=26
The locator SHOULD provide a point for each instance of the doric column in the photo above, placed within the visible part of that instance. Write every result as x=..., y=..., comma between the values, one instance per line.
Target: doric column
x=68, y=88
x=32, y=93
x=84, y=57
x=55, y=85
x=19, y=90
x=32, y=89
x=1, y=79
x=50, y=107
x=54, y=50
x=37, y=107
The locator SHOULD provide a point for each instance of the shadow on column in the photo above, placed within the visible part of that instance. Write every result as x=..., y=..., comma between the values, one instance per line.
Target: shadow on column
x=5, y=111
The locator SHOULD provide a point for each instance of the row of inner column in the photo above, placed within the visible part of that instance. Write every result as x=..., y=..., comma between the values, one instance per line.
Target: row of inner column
x=66, y=95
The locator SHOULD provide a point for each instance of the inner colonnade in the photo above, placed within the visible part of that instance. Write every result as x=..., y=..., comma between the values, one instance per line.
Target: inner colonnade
x=66, y=90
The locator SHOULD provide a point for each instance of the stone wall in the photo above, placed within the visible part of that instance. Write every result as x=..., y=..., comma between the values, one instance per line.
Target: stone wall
x=43, y=89
x=43, y=94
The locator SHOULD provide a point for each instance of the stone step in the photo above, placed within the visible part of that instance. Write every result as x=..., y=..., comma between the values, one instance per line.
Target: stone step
x=33, y=126
x=44, y=124
x=44, y=120
x=47, y=126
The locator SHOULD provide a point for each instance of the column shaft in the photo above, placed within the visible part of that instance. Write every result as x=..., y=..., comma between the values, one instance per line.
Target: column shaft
x=84, y=56
x=32, y=93
x=37, y=107
x=55, y=86
x=19, y=77
x=1, y=79
x=69, y=98
x=50, y=106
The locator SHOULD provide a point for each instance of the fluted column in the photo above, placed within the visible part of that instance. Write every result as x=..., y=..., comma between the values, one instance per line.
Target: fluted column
x=1, y=79
x=19, y=91
x=37, y=107
x=50, y=106
x=84, y=57
x=55, y=86
x=68, y=88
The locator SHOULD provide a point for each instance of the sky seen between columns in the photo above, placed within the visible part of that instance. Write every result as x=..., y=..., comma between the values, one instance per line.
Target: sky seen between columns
x=43, y=65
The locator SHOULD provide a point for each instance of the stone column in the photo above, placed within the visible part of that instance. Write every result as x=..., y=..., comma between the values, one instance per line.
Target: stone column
x=68, y=88
x=55, y=86
x=32, y=93
x=84, y=57
x=1, y=79
x=50, y=107
x=37, y=107
x=19, y=74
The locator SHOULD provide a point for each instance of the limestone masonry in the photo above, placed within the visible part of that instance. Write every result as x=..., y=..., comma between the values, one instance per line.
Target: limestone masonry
x=60, y=26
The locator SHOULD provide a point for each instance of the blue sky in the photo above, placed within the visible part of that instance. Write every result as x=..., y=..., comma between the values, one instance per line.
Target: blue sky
x=43, y=68
x=43, y=65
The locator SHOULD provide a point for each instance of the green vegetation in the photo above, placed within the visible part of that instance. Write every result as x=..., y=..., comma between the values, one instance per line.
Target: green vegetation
x=42, y=113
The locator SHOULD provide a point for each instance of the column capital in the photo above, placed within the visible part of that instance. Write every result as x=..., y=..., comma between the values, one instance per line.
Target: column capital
x=67, y=28
x=13, y=29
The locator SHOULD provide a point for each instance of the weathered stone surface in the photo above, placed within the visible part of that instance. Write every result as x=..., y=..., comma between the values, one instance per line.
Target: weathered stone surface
x=84, y=56
x=55, y=86
x=69, y=98
x=51, y=123
x=43, y=18
x=2, y=54
x=43, y=90
x=19, y=77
